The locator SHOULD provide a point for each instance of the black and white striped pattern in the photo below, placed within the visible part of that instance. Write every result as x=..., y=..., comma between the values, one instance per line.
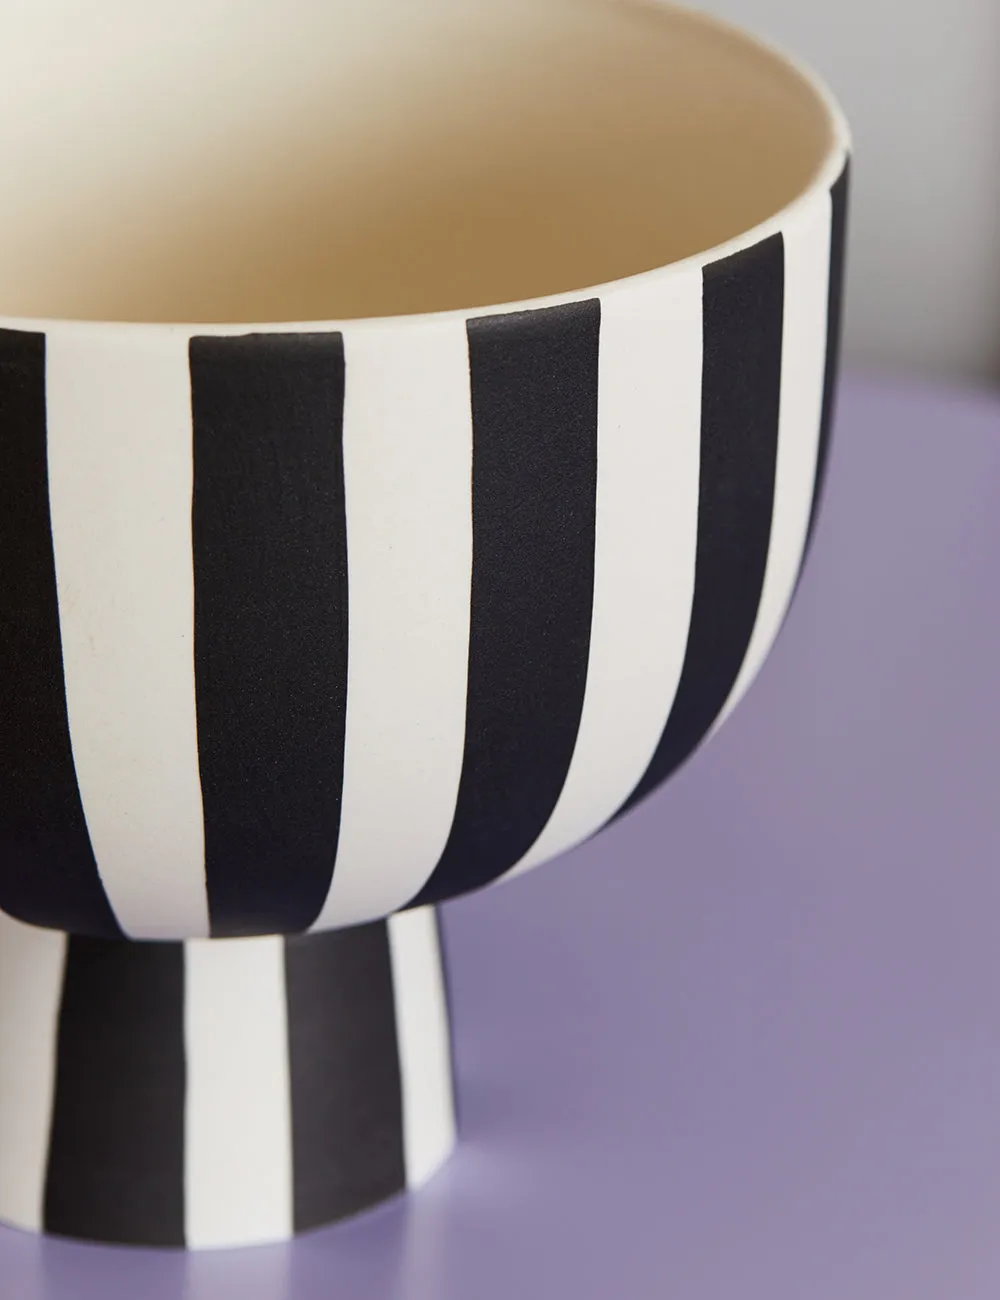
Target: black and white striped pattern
x=302, y=628
x=217, y=1093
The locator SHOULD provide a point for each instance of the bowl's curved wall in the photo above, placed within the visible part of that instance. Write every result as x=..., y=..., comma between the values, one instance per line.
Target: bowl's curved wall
x=359, y=158
x=301, y=628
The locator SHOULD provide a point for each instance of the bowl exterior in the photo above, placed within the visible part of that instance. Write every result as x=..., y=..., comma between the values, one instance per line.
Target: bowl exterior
x=302, y=626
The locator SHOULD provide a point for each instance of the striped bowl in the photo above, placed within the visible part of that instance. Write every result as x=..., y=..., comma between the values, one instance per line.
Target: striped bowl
x=305, y=625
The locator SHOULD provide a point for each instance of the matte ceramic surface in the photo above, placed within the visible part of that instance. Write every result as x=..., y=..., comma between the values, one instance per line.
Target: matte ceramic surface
x=745, y=1043
x=308, y=626
x=359, y=158
x=211, y=1093
x=313, y=622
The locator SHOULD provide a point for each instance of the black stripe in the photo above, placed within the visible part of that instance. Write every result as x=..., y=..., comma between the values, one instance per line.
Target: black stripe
x=741, y=392
x=116, y=1151
x=270, y=566
x=534, y=485
x=834, y=314
x=48, y=875
x=347, y=1119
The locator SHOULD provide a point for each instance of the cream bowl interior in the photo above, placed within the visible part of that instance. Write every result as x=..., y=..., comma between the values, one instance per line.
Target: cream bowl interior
x=282, y=160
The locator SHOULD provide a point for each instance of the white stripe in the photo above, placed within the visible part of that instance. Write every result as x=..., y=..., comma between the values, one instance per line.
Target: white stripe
x=408, y=467
x=120, y=474
x=648, y=457
x=803, y=362
x=424, y=1042
x=32, y=962
x=238, y=1135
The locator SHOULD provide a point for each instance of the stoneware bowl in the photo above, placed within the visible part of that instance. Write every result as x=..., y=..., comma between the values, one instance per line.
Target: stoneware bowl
x=412, y=414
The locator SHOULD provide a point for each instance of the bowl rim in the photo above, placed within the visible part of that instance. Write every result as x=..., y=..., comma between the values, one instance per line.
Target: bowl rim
x=835, y=158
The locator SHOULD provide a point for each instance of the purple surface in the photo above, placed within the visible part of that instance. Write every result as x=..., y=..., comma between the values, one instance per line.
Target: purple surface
x=747, y=1043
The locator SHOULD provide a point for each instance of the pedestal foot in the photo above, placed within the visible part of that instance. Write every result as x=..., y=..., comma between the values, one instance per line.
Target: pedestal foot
x=219, y=1092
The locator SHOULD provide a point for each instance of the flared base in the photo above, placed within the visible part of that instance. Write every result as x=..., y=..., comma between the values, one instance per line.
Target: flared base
x=219, y=1092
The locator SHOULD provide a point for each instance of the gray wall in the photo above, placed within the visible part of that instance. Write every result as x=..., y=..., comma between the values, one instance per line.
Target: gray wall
x=920, y=82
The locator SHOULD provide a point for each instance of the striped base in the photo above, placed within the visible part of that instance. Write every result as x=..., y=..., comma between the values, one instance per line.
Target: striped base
x=219, y=1092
